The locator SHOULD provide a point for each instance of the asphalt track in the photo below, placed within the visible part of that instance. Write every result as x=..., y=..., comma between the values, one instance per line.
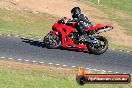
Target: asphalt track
x=114, y=61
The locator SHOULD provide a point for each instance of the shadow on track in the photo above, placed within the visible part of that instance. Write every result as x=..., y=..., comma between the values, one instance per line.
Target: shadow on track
x=41, y=44
x=33, y=42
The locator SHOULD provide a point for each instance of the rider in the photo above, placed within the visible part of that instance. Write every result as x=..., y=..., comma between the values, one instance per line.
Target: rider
x=82, y=21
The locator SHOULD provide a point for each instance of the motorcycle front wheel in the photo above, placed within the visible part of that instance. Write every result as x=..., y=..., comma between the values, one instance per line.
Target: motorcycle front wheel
x=52, y=41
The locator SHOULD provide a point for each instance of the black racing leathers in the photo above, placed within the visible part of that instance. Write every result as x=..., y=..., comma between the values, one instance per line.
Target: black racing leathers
x=82, y=22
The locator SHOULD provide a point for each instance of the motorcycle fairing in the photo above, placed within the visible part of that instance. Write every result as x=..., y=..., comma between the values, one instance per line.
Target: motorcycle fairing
x=67, y=42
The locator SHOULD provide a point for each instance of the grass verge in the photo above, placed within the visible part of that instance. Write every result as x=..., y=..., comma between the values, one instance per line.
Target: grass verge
x=24, y=23
x=19, y=75
x=122, y=5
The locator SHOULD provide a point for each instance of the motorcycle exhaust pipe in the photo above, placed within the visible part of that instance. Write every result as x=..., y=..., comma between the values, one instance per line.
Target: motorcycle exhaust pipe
x=104, y=30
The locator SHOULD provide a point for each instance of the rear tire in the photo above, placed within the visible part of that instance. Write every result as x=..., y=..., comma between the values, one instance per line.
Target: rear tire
x=95, y=51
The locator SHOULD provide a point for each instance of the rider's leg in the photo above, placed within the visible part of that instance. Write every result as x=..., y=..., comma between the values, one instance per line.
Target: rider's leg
x=81, y=33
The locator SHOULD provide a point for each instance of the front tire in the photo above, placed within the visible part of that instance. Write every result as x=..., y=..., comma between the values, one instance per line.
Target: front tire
x=99, y=48
x=52, y=42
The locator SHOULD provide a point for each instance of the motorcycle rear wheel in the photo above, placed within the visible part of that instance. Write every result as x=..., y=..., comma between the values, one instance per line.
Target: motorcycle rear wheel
x=99, y=49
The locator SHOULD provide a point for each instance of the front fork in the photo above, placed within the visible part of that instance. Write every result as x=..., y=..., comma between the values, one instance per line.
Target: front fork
x=52, y=36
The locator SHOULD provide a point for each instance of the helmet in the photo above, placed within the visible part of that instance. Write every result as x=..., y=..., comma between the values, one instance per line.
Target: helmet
x=75, y=12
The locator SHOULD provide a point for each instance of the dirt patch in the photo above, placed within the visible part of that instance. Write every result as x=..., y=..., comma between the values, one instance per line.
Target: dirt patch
x=122, y=15
x=44, y=71
x=52, y=71
x=18, y=65
x=58, y=8
x=118, y=36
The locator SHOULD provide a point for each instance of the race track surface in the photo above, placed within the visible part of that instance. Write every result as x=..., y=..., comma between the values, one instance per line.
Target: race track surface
x=114, y=61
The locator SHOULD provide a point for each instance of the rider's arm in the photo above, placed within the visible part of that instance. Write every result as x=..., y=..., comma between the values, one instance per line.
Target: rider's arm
x=83, y=18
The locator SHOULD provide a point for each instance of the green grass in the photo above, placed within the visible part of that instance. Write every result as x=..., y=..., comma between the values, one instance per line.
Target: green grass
x=122, y=5
x=20, y=78
x=25, y=23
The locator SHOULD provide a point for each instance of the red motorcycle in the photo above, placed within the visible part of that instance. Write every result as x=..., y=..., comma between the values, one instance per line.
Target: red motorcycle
x=65, y=35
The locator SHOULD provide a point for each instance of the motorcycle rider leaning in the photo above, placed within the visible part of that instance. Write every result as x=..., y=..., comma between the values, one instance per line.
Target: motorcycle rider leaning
x=82, y=21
